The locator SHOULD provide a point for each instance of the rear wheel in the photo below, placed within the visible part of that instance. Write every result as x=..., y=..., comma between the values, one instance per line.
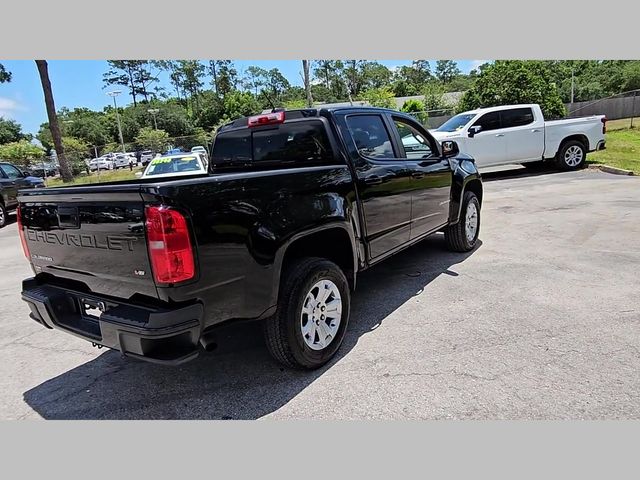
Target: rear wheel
x=571, y=156
x=463, y=236
x=312, y=314
x=3, y=215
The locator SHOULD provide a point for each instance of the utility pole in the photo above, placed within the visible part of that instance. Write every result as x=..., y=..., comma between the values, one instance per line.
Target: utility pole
x=113, y=95
x=633, y=107
x=154, y=112
x=572, y=83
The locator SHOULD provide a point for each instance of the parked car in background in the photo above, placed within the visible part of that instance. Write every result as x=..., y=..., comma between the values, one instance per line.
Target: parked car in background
x=202, y=151
x=519, y=134
x=122, y=161
x=48, y=170
x=175, y=165
x=13, y=179
x=101, y=163
x=145, y=157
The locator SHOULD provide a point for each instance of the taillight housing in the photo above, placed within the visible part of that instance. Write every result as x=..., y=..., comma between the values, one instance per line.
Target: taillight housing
x=169, y=245
x=604, y=125
x=266, y=119
x=23, y=240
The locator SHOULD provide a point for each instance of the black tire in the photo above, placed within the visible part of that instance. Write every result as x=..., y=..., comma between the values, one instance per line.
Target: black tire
x=561, y=161
x=456, y=235
x=3, y=215
x=283, y=332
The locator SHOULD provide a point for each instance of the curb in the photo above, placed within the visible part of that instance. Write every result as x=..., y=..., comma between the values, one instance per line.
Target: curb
x=609, y=169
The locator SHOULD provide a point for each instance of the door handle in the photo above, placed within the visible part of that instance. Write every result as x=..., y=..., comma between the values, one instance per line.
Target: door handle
x=499, y=134
x=535, y=130
x=417, y=174
x=373, y=180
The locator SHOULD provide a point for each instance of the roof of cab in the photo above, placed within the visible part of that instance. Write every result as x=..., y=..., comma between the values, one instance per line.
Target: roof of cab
x=308, y=113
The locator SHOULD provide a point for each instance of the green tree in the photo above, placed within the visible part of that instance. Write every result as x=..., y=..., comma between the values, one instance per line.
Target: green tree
x=5, y=75
x=434, y=96
x=515, y=81
x=152, y=139
x=380, y=97
x=410, y=80
x=87, y=125
x=239, y=104
x=223, y=76
x=331, y=74
x=76, y=151
x=211, y=110
x=11, y=131
x=353, y=76
x=446, y=70
x=254, y=79
x=295, y=104
x=274, y=87
x=413, y=105
x=23, y=153
x=135, y=75
x=375, y=75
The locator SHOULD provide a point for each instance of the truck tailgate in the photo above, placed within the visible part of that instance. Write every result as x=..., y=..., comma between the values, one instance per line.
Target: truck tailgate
x=92, y=236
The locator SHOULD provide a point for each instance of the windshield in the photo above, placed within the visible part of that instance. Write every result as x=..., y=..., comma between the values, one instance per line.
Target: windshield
x=455, y=123
x=173, y=165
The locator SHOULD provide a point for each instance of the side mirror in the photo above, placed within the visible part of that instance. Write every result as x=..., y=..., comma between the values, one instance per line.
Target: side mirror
x=26, y=173
x=473, y=130
x=450, y=149
x=138, y=174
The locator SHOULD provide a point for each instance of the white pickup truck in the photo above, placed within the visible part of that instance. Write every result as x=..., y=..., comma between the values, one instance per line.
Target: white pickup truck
x=519, y=134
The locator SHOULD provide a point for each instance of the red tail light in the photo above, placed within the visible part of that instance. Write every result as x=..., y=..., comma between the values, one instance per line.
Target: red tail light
x=169, y=245
x=266, y=119
x=23, y=240
x=604, y=125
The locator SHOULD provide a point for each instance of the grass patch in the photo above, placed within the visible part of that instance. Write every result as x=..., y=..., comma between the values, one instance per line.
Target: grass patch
x=623, y=150
x=622, y=124
x=105, y=176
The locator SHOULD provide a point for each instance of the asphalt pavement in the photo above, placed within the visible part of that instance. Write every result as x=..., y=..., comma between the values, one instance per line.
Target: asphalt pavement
x=540, y=321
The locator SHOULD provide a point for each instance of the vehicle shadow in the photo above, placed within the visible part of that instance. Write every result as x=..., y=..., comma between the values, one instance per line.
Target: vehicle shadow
x=239, y=380
x=520, y=172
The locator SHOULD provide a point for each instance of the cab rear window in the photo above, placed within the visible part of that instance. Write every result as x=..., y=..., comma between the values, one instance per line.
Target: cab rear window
x=301, y=143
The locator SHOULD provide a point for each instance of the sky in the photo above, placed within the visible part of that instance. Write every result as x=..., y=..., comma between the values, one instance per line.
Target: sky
x=78, y=83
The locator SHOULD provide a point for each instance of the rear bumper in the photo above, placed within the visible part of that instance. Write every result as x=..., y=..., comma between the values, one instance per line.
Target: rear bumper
x=166, y=336
x=602, y=145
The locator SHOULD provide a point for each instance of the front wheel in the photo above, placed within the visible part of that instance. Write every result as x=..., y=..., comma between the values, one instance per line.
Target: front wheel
x=463, y=236
x=312, y=314
x=571, y=156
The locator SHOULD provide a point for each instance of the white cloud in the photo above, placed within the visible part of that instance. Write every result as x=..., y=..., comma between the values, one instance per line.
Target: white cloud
x=8, y=107
x=476, y=63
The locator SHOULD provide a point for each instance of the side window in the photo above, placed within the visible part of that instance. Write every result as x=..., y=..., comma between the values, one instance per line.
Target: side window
x=370, y=136
x=489, y=121
x=516, y=117
x=416, y=146
x=11, y=171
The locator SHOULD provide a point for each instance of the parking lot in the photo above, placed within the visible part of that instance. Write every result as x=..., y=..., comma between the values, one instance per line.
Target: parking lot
x=541, y=321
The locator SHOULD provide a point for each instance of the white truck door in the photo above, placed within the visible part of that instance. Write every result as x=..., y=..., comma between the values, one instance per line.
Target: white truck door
x=524, y=132
x=488, y=146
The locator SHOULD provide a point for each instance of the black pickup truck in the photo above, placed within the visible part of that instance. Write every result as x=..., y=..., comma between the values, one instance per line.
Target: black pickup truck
x=294, y=205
